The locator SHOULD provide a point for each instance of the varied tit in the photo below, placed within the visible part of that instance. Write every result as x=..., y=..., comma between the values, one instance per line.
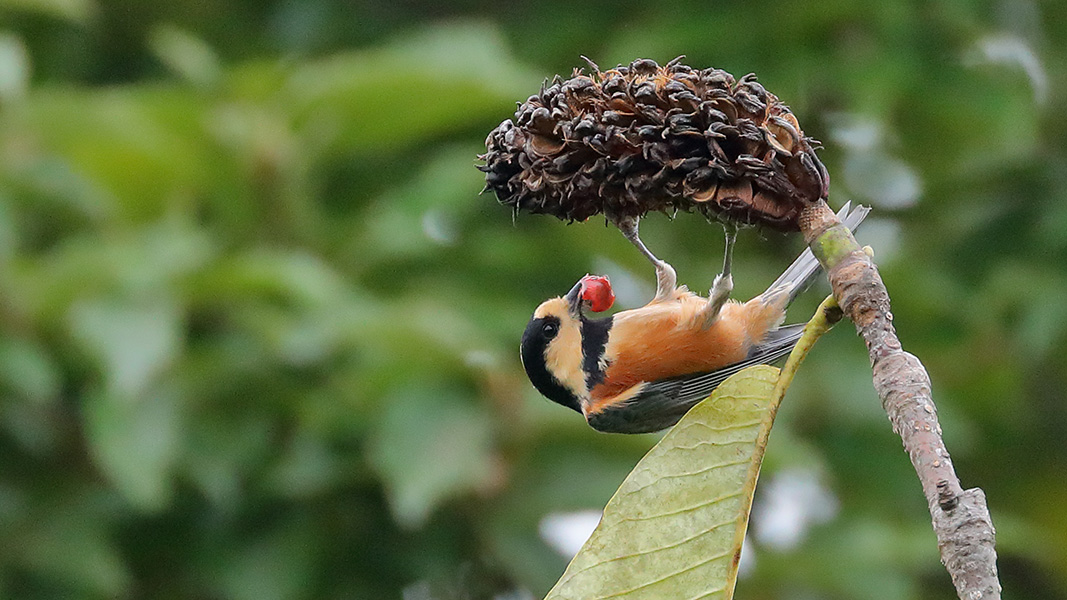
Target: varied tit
x=641, y=370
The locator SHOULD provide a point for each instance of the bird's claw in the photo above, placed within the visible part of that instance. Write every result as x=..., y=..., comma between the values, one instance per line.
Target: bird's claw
x=720, y=293
x=666, y=280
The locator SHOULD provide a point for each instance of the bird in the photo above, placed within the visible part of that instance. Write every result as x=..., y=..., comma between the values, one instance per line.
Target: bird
x=641, y=370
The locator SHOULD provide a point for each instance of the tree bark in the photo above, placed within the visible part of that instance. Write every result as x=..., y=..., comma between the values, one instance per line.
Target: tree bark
x=961, y=519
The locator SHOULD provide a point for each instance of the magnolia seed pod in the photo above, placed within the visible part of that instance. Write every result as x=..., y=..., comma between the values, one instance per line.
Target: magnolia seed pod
x=641, y=138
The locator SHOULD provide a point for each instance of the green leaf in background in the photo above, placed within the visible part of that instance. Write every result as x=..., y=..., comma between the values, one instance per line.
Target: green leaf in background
x=424, y=461
x=422, y=84
x=674, y=529
x=186, y=55
x=136, y=443
x=72, y=544
x=14, y=67
x=76, y=11
x=422, y=216
x=27, y=371
x=133, y=341
x=275, y=565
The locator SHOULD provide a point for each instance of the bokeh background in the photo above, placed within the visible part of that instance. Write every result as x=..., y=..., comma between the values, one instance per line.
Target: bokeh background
x=258, y=330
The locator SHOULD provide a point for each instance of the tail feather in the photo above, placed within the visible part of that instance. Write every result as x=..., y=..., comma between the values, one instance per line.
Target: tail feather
x=777, y=343
x=799, y=275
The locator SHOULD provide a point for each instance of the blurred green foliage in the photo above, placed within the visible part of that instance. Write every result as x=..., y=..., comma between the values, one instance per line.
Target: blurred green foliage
x=258, y=330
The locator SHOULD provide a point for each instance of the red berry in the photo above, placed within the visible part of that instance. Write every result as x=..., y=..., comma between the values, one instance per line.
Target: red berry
x=596, y=290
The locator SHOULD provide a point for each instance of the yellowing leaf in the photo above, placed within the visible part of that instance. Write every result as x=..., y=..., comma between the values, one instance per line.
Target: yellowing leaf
x=675, y=526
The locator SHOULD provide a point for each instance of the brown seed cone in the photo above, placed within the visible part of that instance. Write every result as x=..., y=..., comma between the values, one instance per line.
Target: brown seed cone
x=643, y=138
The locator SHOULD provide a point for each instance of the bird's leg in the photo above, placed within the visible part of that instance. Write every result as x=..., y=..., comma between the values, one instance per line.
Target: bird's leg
x=724, y=282
x=666, y=278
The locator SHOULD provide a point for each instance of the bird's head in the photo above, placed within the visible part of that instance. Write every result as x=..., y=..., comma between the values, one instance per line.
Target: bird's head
x=551, y=347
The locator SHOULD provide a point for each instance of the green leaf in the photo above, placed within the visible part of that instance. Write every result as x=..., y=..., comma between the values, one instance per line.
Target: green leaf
x=307, y=467
x=14, y=67
x=28, y=371
x=221, y=450
x=75, y=11
x=71, y=545
x=277, y=565
x=421, y=85
x=133, y=341
x=675, y=526
x=422, y=216
x=185, y=54
x=425, y=461
x=157, y=132
x=136, y=443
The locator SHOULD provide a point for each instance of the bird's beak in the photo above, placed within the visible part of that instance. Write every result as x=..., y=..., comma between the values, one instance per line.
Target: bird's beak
x=574, y=300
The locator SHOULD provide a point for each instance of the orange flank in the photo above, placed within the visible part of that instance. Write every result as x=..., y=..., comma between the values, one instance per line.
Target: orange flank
x=597, y=404
x=670, y=338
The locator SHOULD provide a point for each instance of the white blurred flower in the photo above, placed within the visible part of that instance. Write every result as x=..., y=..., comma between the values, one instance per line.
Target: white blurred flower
x=869, y=171
x=566, y=532
x=747, y=564
x=789, y=504
x=439, y=227
x=1012, y=51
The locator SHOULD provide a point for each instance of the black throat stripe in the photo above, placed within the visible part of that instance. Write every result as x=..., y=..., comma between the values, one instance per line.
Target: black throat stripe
x=594, y=340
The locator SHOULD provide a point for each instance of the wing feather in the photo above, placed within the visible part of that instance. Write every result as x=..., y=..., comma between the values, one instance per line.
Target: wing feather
x=693, y=388
x=659, y=404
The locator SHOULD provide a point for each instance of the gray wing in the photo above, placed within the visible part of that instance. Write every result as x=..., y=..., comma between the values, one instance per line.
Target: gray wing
x=660, y=404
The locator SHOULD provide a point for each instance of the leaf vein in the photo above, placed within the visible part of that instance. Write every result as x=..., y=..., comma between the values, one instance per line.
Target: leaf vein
x=711, y=502
x=649, y=551
x=727, y=428
x=667, y=576
x=709, y=593
x=712, y=443
x=691, y=473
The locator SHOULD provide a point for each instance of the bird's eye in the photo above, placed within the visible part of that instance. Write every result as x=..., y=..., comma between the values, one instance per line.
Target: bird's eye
x=550, y=330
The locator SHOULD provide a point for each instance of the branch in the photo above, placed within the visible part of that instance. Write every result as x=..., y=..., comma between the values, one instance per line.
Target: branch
x=965, y=533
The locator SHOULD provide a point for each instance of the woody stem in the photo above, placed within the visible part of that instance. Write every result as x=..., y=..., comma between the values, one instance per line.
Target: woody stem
x=961, y=518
